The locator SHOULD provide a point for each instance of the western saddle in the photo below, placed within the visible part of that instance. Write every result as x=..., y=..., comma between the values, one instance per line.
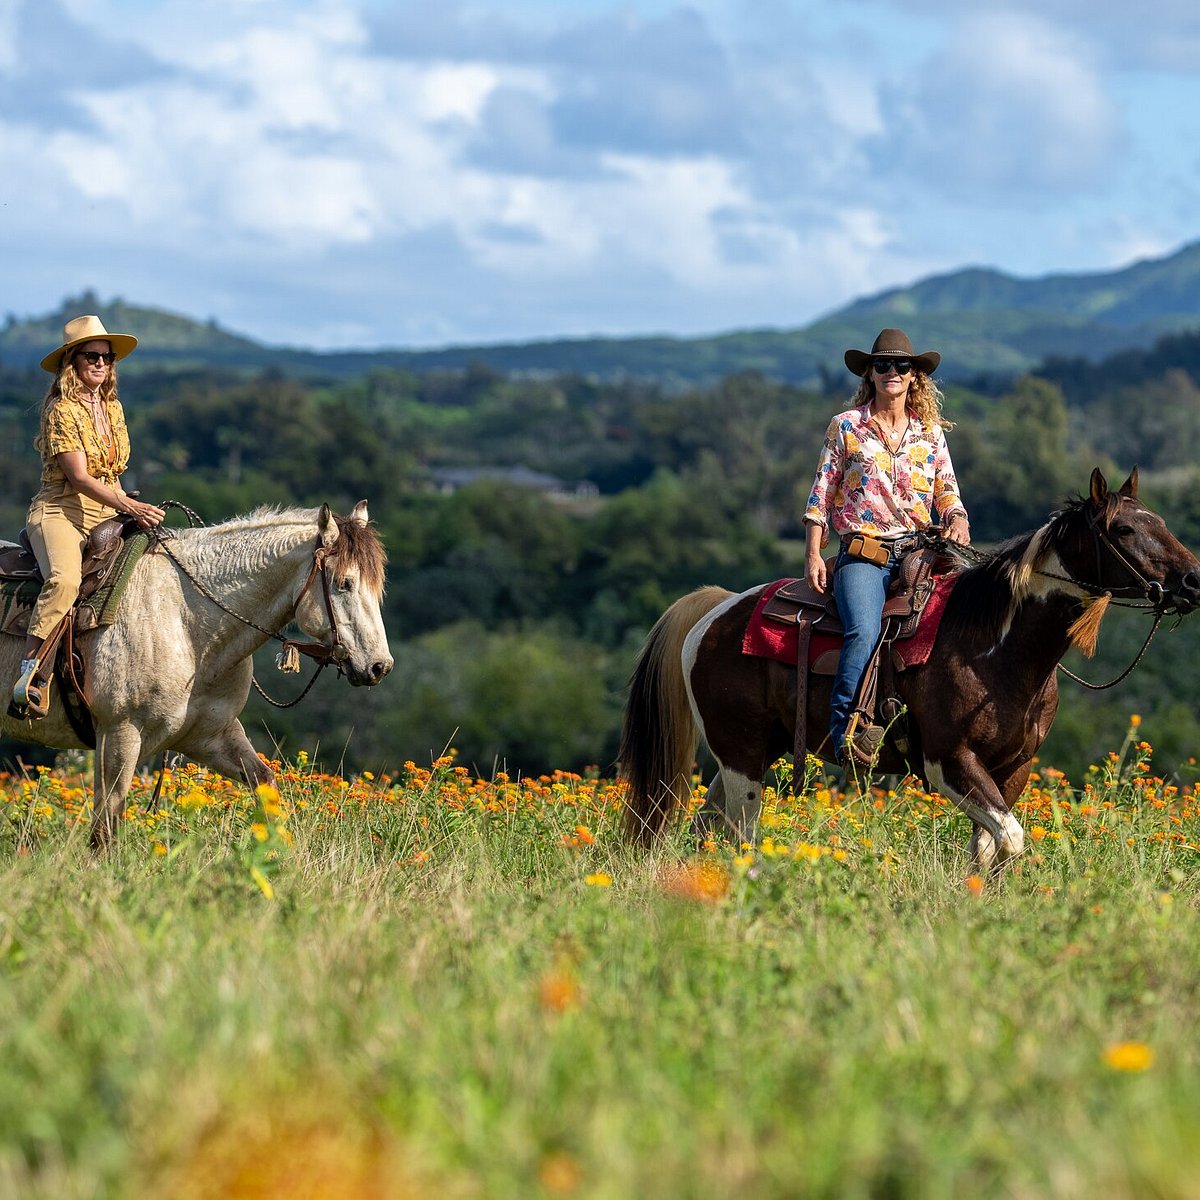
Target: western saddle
x=796, y=603
x=19, y=572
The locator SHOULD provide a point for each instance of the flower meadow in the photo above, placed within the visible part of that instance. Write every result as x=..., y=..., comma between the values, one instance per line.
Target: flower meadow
x=428, y=982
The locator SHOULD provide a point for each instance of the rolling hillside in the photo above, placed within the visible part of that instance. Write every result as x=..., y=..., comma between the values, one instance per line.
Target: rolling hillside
x=988, y=325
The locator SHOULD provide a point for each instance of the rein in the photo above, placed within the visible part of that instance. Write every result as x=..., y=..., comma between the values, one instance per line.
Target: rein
x=288, y=658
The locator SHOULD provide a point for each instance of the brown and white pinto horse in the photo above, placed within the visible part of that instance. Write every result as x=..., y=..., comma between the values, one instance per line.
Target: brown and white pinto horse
x=978, y=709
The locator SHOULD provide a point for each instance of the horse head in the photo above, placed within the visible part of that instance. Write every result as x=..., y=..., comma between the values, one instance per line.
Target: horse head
x=1124, y=548
x=342, y=603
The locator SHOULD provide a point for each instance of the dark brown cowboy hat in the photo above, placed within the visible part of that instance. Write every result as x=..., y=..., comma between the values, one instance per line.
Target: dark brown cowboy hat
x=892, y=343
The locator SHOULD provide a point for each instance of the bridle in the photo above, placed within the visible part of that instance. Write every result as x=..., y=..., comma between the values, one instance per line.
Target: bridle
x=1149, y=595
x=323, y=654
x=1146, y=593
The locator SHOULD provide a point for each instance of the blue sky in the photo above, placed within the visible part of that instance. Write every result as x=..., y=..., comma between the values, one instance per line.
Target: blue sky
x=359, y=173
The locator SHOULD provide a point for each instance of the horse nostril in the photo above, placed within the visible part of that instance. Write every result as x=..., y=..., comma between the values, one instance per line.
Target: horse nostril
x=1191, y=583
x=379, y=670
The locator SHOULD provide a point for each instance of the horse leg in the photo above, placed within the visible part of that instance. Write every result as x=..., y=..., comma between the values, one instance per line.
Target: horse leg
x=998, y=836
x=731, y=807
x=229, y=752
x=711, y=817
x=1010, y=785
x=117, y=752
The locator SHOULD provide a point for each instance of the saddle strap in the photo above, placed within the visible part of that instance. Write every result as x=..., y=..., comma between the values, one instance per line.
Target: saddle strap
x=800, y=742
x=868, y=687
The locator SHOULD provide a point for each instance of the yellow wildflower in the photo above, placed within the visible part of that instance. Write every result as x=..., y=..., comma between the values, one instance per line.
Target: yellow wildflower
x=1129, y=1056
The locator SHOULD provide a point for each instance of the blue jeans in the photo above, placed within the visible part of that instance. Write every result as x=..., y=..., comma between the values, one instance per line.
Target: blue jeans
x=860, y=588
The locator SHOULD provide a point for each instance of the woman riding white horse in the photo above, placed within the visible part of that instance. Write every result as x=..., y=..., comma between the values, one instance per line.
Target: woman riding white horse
x=173, y=671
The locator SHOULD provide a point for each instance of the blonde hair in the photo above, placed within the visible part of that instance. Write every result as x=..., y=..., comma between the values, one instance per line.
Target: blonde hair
x=66, y=385
x=924, y=398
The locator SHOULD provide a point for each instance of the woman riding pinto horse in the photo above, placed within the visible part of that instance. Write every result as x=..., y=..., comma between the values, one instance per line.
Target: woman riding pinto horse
x=884, y=475
x=978, y=709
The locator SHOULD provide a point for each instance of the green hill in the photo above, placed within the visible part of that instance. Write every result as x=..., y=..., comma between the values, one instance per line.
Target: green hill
x=985, y=323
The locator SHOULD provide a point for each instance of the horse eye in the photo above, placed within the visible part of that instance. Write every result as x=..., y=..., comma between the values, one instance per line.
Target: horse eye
x=1124, y=530
x=347, y=585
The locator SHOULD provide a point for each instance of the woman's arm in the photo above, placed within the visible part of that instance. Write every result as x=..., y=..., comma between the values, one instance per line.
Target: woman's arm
x=946, y=497
x=814, y=564
x=74, y=467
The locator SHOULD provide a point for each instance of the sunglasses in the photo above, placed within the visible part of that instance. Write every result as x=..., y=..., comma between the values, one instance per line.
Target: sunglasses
x=92, y=357
x=881, y=366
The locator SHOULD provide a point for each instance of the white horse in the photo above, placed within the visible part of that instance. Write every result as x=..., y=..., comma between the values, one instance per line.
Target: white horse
x=173, y=671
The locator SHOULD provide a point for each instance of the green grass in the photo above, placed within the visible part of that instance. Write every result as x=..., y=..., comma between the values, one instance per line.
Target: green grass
x=426, y=989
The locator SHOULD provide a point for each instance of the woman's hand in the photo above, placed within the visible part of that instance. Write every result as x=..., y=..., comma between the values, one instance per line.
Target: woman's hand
x=814, y=564
x=815, y=572
x=146, y=515
x=959, y=530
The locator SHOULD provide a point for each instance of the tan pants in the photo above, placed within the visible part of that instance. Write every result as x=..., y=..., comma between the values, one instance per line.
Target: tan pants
x=59, y=522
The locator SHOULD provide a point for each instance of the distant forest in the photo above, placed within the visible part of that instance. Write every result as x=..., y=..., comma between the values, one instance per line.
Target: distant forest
x=536, y=527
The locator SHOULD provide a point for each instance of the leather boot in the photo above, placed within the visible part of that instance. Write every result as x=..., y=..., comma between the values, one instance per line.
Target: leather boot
x=862, y=750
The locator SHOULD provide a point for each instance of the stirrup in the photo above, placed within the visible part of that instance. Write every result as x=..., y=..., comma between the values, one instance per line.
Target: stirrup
x=861, y=748
x=31, y=695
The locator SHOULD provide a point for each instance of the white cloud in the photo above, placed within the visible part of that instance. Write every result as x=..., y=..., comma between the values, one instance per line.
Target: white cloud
x=608, y=168
x=1010, y=103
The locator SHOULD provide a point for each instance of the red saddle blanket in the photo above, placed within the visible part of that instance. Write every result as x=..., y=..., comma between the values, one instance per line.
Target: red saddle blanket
x=773, y=639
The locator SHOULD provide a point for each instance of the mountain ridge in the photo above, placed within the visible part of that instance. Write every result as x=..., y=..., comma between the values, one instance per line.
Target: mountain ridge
x=986, y=323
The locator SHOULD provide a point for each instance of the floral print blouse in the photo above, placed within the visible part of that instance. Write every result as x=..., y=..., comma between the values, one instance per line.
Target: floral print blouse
x=69, y=426
x=862, y=486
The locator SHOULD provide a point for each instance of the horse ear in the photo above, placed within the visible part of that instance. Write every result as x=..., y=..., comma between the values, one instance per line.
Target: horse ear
x=360, y=513
x=1130, y=486
x=327, y=529
x=1099, y=488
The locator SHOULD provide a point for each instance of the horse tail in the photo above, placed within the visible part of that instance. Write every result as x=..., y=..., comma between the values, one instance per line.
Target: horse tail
x=658, y=734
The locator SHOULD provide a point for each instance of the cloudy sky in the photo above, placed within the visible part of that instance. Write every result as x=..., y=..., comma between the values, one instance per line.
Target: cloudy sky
x=423, y=172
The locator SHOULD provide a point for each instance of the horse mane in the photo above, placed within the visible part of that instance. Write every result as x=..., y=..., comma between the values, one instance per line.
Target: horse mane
x=358, y=546
x=988, y=593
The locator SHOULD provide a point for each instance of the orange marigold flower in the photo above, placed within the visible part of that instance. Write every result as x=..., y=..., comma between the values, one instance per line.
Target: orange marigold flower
x=975, y=885
x=704, y=881
x=559, y=992
x=559, y=1173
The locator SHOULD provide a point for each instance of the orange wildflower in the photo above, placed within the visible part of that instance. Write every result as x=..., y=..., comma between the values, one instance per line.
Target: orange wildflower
x=703, y=881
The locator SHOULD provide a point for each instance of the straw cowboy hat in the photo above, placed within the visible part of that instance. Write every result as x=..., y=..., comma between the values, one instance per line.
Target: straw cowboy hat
x=87, y=329
x=892, y=343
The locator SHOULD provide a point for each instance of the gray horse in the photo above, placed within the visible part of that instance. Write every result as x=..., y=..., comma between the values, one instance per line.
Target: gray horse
x=173, y=671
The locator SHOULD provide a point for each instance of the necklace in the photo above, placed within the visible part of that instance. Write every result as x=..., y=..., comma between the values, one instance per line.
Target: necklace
x=893, y=436
x=100, y=421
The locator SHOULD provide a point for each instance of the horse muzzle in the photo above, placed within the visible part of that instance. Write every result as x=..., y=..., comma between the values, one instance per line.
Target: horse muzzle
x=1187, y=595
x=370, y=675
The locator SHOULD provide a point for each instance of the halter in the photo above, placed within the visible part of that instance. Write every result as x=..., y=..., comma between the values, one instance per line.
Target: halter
x=323, y=654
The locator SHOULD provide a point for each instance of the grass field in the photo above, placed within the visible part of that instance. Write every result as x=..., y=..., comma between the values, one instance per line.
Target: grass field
x=435, y=985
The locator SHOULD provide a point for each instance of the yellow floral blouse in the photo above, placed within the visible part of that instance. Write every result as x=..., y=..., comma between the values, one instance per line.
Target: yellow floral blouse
x=68, y=426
